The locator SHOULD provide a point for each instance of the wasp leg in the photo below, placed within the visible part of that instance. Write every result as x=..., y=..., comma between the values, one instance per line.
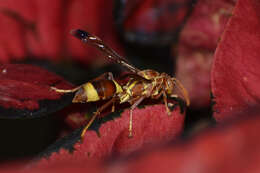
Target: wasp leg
x=113, y=107
x=164, y=100
x=66, y=91
x=99, y=110
x=158, y=96
x=89, y=124
x=165, y=103
x=131, y=115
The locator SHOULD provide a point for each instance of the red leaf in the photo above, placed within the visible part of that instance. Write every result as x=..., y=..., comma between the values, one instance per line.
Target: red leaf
x=233, y=147
x=198, y=41
x=23, y=87
x=95, y=17
x=235, y=73
x=16, y=16
x=41, y=29
x=50, y=26
x=151, y=125
x=152, y=21
x=85, y=15
x=11, y=39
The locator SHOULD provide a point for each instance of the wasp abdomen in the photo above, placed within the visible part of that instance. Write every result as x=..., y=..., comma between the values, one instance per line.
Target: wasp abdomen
x=97, y=90
x=105, y=88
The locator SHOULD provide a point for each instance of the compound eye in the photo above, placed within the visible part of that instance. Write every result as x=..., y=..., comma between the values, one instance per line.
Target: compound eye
x=169, y=84
x=80, y=34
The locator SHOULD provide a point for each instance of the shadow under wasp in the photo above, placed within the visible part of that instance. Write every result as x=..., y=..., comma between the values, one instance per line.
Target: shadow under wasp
x=141, y=84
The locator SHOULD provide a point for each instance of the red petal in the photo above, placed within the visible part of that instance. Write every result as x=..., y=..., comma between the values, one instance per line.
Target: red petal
x=235, y=73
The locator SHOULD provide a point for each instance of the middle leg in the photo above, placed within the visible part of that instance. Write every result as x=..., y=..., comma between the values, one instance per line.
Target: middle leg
x=134, y=105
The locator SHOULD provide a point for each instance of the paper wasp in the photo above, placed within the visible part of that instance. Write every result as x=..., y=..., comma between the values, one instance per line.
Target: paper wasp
x=141, y=84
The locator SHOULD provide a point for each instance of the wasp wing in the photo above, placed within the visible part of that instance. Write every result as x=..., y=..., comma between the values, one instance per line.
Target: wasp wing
x=99, y=44
x=135, y=76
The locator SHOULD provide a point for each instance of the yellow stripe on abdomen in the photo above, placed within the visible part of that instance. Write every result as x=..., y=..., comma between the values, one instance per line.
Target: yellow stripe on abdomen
x=91, y=92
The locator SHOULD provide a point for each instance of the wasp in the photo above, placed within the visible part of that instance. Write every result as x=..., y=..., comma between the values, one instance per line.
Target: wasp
x=142, y=84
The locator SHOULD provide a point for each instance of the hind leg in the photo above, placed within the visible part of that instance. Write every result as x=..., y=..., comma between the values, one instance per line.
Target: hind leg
x=134, y=105
x=66, y=91
x=99, y=110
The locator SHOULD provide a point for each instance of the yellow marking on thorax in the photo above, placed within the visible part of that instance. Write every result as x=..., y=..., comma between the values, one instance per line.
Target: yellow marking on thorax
x=91, y=92
x=145, y=91
x=128, y=92
x=146, y=76
x=118, y=87
x=130, y=87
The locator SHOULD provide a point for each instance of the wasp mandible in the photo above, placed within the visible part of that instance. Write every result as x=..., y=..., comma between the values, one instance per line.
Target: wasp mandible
x=141, y=84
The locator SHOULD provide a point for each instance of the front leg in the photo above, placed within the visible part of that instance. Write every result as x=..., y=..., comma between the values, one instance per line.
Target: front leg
x=165, y=103
x=162, y=92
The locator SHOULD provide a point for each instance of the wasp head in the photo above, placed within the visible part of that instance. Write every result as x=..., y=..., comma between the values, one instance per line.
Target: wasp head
x=169, y=86
x=175, y=88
